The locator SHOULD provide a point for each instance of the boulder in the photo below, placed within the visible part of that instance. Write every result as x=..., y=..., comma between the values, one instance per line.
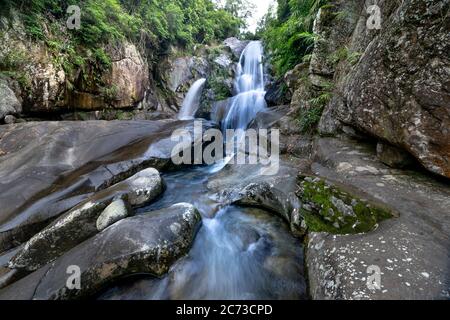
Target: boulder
x=116, y=211
x=48, y=168
x=80, y=223
x=236, y=46
x=329, y=208
x=145, y=244
x=265, y=196
x=9, y=104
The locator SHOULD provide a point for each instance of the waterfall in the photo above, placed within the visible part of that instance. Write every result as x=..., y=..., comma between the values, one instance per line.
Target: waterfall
x=192, y=101
x=249, y=85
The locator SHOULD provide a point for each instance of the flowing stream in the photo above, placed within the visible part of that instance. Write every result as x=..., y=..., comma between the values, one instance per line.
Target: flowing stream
x=239, y=253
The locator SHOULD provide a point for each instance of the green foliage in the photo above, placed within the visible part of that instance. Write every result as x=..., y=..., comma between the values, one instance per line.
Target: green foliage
x=344, y=54
x=309, y=119
x=154, y=25
x=288, y=32
x=158, y=23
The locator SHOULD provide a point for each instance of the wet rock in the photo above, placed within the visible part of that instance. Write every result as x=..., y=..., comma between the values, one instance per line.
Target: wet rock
x=292, y=77
x=48, y=168
x=277, y=94
x=181, y=73
x=80, y=223
x=149, y=244
x=407, y=60
x=116, y=211
x=265, y=196
x=393, y=157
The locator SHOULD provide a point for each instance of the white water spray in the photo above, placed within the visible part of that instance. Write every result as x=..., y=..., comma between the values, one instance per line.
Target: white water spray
x=192, y=101
x=249, y=85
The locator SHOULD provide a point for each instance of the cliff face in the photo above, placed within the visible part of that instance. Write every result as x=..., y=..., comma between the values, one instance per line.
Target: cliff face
x=42, y=82
x=392, y=83
x=41, y=78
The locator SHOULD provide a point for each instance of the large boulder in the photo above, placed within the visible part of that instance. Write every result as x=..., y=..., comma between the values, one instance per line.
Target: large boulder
x=408, y=61
x=80, y=223
x=147, y=244
x=180, y=73
x=48, y=168
x=9, y=104
x=263, y=195
x=236, y=46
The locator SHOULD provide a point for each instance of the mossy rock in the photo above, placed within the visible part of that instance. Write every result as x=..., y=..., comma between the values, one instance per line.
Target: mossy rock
x=327, y=208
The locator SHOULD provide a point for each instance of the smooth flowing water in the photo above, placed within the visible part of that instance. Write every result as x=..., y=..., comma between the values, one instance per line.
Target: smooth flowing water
x=192, y=101
x=239, y=253
x=249, y=85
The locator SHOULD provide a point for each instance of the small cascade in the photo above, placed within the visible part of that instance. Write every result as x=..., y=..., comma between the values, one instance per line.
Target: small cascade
x=249, y=85
x=192, y=101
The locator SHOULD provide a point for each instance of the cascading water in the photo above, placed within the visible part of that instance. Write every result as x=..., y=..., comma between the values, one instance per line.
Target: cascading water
x=192, y=101
x=249, y=86
x=239, y=253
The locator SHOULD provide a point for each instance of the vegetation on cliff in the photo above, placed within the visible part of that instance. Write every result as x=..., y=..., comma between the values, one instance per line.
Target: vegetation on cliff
x=288, y=32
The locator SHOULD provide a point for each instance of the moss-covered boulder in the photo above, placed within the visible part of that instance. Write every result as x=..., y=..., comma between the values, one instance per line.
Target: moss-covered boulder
x=327, y=208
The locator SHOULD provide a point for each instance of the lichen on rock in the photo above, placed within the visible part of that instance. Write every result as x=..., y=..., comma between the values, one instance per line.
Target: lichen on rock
x=327, y=208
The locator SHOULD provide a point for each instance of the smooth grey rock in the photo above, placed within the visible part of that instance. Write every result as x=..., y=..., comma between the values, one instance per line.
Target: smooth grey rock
x=47, y=168
x=411, y=251
x=265, y=196
x=236, y=46
x=407, y=60
x=9, y=104
x=116, y=211
x=80, y=223
x=148, y=243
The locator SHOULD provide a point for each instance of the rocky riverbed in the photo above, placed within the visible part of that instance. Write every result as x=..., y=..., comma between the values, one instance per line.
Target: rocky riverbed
x=359, y=208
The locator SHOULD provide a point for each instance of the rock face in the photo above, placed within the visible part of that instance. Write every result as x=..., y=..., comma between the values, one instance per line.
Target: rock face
x=116, y=211
x=407, y=61
x=47, y=87
x=48, y=168
x=149, y=243
x=181, y=73
x=80, y=223
x=9, y=104
x=236, y=46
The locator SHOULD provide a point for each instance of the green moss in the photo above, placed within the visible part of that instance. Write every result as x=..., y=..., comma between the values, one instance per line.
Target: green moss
x=326, y=208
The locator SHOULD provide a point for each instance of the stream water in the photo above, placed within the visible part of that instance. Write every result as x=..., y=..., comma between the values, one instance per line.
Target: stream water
x=239, y=253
